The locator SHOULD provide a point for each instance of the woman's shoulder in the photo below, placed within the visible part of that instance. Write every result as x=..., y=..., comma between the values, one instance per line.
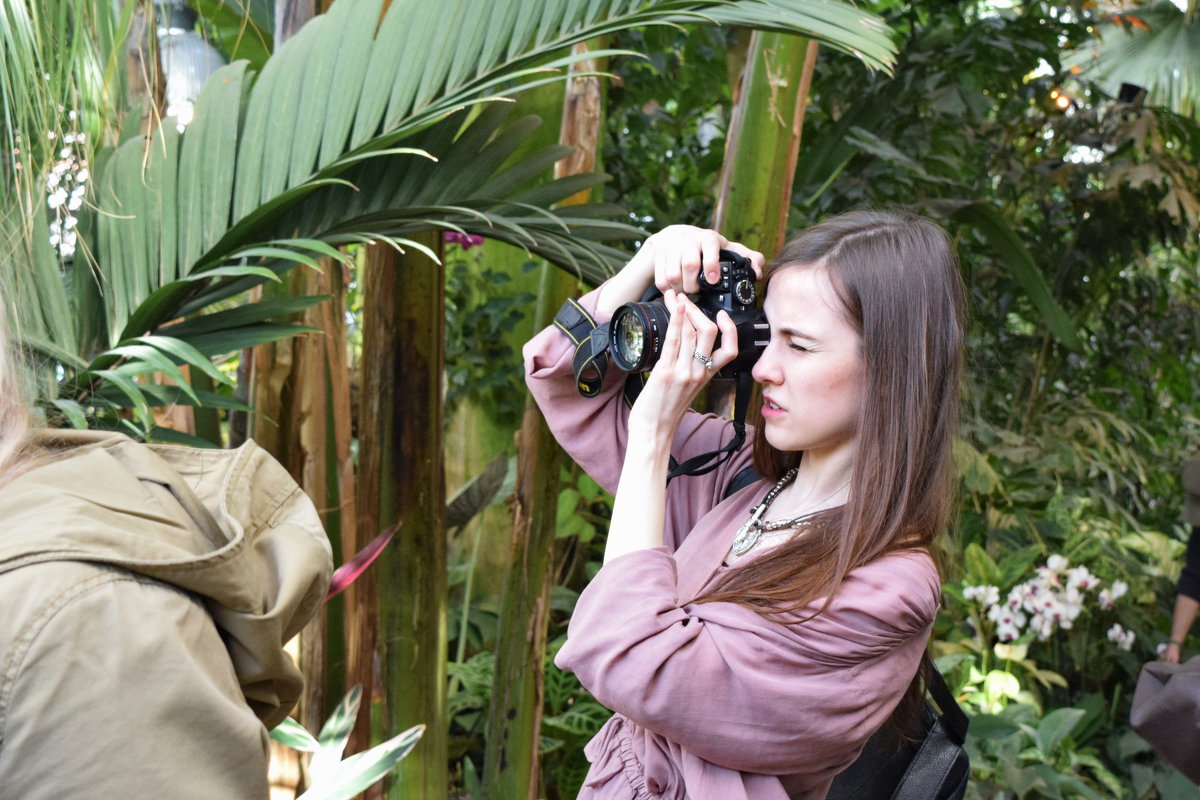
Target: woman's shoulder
x=901, y=589
x=912, y=569
x=915, y=563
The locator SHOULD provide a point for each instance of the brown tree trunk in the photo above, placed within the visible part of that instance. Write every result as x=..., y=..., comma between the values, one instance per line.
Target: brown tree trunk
x=401, y=481
x=147, y=88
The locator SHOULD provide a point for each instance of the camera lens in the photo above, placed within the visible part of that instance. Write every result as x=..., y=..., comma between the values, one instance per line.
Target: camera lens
x=635, y=335
x=631, y=338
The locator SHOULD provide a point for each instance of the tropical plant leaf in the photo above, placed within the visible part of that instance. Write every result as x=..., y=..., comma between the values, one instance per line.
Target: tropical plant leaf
x=347, y=573
x=230, y=340
x=1009, y=247
x=73, y=412
x=296, y=736
x=362, y=770
x=331, y=143
x=241, y=316
x=241, y=28
x=158, y=433
x=160, y=395
x=581, y=720
x=1161, y=54
x=478, y=493
x=123, y=383
x=334, y=735
x=142, y=359
x=1056, y=726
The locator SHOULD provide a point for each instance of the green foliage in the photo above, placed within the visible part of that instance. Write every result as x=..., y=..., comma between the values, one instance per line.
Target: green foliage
x=666, y=123
x=1020, y=753
x=468, y=703
x=239, y=29
x=1143, y=46
x=570, y=716
x=583, y=507
x=481, y=366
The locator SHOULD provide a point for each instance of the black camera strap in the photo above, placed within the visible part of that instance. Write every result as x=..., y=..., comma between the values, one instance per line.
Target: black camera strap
x=699, y=465
x=591, y=346
x=590, y=364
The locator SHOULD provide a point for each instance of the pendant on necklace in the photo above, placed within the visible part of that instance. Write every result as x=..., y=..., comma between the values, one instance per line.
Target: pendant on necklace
x=749, y=534
x=747, y=537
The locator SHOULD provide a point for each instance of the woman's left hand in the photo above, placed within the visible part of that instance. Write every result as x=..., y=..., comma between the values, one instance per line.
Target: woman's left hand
x=686, y=364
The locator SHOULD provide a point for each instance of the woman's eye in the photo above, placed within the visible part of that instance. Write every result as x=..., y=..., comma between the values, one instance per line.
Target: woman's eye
x=799, y=347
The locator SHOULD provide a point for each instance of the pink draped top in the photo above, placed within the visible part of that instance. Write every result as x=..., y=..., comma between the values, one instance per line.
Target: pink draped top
x=713, y=701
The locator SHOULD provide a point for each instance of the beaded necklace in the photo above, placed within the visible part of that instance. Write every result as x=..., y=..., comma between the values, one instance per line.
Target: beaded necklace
x=754, y=531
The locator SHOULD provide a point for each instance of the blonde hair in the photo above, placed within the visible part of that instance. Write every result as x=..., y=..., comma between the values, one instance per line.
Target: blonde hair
x=14, y=410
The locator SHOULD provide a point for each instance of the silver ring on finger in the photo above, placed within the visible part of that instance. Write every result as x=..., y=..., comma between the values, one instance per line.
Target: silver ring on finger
x=703, y=359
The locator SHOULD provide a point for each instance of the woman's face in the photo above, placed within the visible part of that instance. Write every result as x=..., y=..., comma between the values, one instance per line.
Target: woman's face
x=811, y=371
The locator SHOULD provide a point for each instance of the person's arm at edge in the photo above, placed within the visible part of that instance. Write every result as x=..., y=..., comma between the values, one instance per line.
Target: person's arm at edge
x=1186, y=603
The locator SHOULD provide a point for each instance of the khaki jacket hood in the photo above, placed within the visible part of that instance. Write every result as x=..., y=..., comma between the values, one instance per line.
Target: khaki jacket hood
x=229, y=526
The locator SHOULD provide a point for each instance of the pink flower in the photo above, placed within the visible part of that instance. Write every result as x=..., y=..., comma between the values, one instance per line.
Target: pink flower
x=464, y=240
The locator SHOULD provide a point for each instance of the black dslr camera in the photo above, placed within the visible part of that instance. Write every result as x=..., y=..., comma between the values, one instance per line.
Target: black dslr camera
x=637, y=329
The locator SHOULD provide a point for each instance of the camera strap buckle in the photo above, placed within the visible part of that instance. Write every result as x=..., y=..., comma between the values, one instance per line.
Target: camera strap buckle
x=591, y=346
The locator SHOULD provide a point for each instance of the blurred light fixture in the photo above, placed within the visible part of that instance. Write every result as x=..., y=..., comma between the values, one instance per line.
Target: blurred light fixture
x=187, y=59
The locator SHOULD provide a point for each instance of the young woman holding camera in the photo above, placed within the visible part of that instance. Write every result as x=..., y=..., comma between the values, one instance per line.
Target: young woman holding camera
x=751, y=644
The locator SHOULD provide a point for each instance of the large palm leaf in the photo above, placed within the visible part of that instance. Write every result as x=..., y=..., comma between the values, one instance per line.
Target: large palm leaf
x=334, y=143
x=1156, y=48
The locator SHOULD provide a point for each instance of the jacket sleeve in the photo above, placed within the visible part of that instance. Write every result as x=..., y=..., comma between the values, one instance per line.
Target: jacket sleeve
x=123, y=688
x=742, y=691
x=594, y=430
x=1189, y=577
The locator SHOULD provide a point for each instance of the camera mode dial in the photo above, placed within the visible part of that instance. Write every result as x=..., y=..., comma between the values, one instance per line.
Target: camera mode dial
x=743, y=292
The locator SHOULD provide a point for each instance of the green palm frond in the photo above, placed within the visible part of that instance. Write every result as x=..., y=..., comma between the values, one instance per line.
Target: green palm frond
x=359, y=128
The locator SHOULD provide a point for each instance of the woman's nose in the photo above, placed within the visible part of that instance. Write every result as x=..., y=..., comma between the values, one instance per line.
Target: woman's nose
x=765, y=370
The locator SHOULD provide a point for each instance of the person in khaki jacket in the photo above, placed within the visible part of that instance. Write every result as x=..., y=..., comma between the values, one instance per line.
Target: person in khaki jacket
x=146, y=593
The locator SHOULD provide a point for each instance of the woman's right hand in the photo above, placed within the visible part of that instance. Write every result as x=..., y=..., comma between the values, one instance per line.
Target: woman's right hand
x=1170, y=654
x=673, y=259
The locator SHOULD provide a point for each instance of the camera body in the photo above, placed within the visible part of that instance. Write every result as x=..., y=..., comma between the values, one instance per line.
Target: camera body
x=637, y=329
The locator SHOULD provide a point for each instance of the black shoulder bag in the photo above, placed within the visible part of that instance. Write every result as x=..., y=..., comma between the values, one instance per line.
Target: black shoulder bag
x=929, y=763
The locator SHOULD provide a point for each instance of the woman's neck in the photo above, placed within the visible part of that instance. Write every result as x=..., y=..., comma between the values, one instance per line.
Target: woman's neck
x=822, y=481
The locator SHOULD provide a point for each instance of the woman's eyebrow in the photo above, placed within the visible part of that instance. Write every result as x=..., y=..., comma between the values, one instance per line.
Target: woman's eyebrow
x=786, y=331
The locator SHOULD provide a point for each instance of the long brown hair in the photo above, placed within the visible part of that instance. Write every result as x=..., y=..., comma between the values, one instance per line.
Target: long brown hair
x=900, y=289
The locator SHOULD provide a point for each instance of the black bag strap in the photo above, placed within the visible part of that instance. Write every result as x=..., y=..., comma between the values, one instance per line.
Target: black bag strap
x=939, y=768
x=591, y=346
x=744, y=478
x=953, y=716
